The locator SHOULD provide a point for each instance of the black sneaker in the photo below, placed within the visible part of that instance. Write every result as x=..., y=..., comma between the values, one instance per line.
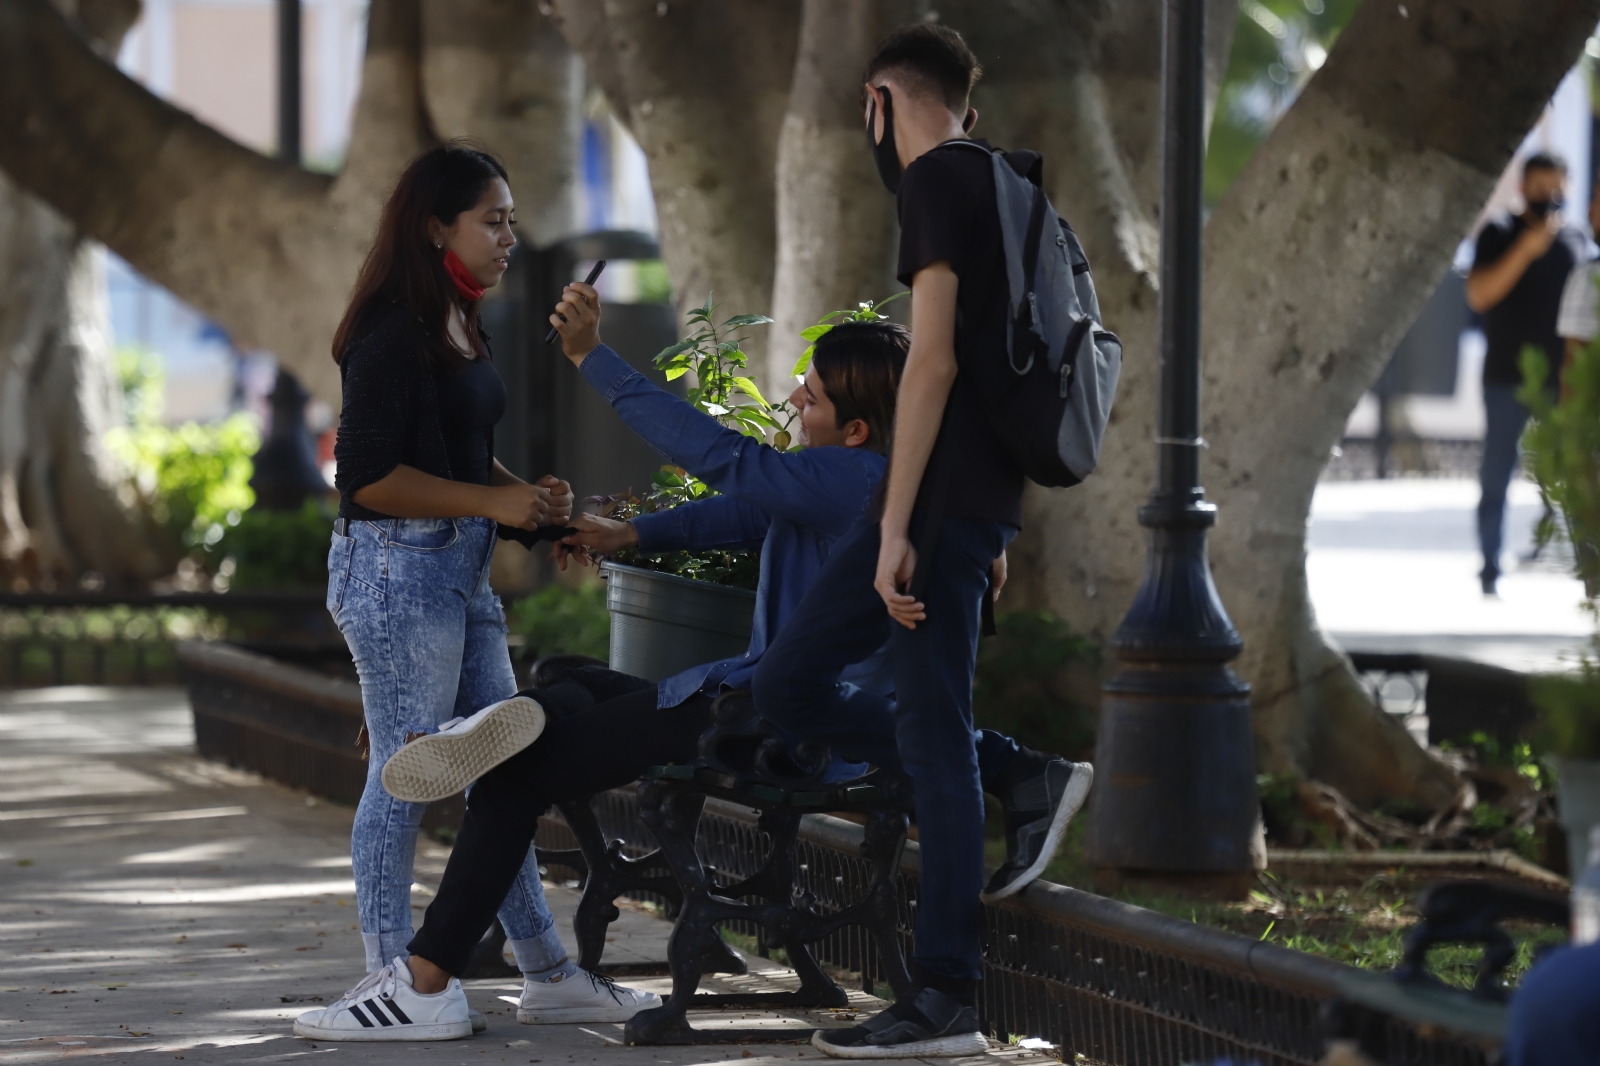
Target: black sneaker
x=928, y=1024
x=1038, y=811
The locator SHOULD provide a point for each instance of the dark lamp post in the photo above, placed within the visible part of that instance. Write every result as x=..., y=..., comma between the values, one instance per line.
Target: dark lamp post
x=286, y=472
x=1175, y=793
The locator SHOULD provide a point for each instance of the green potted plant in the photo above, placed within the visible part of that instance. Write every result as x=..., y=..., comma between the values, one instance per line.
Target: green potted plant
x=679, y=609
x=1562, y=449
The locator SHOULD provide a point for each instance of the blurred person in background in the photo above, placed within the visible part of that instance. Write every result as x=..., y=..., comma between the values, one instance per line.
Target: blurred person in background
x=1518, y=273
x=1578, y=321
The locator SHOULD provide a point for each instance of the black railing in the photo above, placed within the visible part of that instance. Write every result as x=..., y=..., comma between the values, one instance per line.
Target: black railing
x=1107, y=980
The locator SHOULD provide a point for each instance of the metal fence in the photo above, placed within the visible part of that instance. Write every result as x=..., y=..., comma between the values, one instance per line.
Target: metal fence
x=1107, y=980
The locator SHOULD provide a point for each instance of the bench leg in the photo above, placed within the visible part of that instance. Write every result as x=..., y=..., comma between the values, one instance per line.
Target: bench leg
x=882, y=846
x=673, y=818
x=776, y=883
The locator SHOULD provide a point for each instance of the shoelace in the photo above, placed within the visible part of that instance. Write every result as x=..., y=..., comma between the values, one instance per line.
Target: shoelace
x=383, y=982
x=599, y=981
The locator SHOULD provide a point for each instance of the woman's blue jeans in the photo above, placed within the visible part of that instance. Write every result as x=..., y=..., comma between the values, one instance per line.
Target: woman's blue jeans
x=428, y=636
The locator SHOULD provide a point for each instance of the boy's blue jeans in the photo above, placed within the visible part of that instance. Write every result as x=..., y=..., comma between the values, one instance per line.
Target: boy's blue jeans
x=841, y=621
x=412, y=598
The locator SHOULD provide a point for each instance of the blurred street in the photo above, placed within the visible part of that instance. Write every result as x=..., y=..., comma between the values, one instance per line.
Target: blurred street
x=1393, y=566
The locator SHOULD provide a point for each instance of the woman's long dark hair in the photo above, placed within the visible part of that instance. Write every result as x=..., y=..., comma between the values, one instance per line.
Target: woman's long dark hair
x=403, y=265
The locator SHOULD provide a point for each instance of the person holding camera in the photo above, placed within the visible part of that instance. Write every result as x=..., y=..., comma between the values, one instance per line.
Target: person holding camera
x=1518, y=273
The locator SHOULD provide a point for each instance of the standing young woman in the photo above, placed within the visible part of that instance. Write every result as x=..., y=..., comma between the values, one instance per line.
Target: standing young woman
x=420, y=497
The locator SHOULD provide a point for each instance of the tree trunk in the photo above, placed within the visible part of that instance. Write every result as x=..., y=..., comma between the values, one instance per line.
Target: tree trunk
x=235, y=234
x=65, y=508
x=703, y=85
x=243, y=237
x=836, y=224
x=500, y=73
x=1318, y=259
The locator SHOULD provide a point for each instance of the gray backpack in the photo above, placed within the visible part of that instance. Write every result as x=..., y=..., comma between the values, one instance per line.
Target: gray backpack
x=1049, y=398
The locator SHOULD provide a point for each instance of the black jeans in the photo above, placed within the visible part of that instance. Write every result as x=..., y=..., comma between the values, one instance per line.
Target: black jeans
x=582, y=751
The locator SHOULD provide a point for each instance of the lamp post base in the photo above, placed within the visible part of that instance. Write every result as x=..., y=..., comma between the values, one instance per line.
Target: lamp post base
x=1175, y=780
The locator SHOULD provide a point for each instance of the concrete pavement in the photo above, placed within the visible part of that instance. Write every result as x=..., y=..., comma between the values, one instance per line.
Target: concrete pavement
x=155, y=907
x=1393, y=564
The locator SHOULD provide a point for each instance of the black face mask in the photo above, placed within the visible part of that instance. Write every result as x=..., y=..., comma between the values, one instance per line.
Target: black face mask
x=1542, y=208
x=883, y=152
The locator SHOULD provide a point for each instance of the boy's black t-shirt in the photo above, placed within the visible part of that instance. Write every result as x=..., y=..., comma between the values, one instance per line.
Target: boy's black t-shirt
x=1528, y=313
x=948, y=212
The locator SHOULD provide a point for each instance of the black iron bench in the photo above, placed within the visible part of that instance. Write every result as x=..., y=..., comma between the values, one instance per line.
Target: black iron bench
x=742, y=760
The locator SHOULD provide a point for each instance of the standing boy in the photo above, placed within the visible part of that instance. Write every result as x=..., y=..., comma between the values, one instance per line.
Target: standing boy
x=954, y=494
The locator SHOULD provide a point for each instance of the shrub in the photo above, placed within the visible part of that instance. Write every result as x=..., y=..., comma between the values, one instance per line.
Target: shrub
x=277, y=549
x=1035, y=680
x=562, y=619
x=194, y=479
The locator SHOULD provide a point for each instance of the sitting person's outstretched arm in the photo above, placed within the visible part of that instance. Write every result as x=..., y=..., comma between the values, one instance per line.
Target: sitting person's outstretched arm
x=718, y=522
x=825, y=488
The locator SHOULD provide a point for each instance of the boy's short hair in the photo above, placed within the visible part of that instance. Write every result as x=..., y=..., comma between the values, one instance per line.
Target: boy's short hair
x=1543, y=161
x=933, y=58
x=860, y=364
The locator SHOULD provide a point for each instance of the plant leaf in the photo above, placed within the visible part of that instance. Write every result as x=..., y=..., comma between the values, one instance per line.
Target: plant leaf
x=676, y=349
x=804, y=362
x=748, y=387
x=811, y=333
x=740, y=321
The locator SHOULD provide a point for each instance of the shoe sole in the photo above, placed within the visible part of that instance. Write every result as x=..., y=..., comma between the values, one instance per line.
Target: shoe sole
x=938, y=1047
x=1071, y=803
x=569, y=1015
x=388, y=1033
x=442, y=764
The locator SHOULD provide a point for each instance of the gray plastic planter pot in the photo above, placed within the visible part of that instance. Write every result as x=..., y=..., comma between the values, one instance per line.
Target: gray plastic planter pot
x=1578, y=794
x=662, y=624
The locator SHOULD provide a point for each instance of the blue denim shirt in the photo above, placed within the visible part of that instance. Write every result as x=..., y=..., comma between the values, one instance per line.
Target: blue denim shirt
x=793, y=505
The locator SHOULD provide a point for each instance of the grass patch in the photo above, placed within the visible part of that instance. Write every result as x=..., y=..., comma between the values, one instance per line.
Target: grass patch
x=1355, y=916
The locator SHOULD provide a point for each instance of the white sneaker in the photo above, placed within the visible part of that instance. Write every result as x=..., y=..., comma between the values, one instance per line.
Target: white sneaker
x=464, y=749
x=384, y=1006
x=582, y=997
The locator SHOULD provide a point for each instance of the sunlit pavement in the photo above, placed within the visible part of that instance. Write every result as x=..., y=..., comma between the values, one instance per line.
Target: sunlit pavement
x=155, y=907
x=1393, y=566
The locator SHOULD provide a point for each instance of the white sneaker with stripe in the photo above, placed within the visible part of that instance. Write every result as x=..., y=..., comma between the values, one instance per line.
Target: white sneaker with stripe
x=384, y=1006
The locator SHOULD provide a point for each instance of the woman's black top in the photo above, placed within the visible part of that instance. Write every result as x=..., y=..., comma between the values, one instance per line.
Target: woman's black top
x=471, y=401
x=393, y=412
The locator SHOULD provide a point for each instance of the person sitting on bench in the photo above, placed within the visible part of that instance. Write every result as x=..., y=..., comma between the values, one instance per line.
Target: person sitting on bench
x=795, y=505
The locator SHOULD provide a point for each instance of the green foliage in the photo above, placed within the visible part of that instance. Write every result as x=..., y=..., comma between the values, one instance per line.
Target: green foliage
x=1277, y=46
x=724, y=390
x=1569, y=712
x=1562, y=446
x=1030, y=681
x=722, y=386
x=865, y=311
x=562, y=619
x=651, y=277
x=277, y=549
x=1562, y=451
x=195, y=479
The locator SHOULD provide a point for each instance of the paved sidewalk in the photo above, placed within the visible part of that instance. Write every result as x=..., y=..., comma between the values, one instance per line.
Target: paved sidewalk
x=154, y=907
x=1393, y=565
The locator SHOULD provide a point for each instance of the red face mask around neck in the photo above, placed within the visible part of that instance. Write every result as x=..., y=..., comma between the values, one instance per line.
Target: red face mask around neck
x=466, y=284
